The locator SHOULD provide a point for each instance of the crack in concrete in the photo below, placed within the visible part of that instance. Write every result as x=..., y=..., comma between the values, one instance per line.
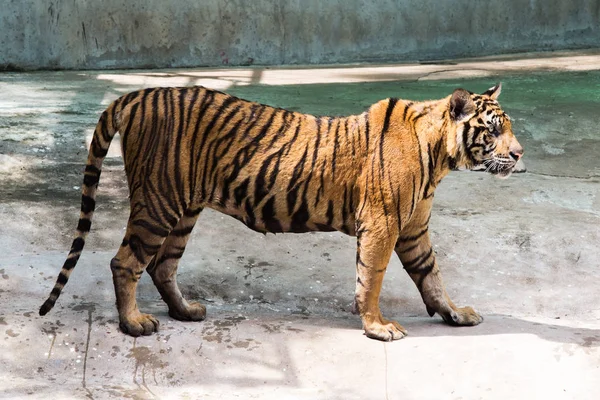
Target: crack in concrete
x=564, y=176
x=386, y=371
x=87, y=346
x=51, y=346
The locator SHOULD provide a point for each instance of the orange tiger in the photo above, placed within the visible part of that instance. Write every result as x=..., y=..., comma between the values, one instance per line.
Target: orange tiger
x=371, y=175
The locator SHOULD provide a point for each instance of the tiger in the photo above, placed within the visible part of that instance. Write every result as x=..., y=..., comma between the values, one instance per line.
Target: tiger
x=372, y=175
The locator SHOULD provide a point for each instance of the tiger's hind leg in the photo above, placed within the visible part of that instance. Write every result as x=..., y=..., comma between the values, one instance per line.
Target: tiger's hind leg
x=163, y=270
x=143, y=239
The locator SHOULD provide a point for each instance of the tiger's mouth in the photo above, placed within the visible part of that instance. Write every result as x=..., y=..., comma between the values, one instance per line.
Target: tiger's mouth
x=499, y=166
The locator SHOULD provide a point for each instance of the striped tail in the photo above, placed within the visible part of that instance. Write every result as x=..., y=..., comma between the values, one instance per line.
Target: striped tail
x=103, y=135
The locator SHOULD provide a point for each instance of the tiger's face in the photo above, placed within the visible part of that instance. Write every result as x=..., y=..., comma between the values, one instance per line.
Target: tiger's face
x=485, y=137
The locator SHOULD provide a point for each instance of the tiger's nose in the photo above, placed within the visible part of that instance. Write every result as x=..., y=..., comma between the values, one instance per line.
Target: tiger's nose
x=516, y=152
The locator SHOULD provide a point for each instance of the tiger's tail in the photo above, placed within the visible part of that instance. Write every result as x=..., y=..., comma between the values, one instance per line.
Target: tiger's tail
x=103, y=135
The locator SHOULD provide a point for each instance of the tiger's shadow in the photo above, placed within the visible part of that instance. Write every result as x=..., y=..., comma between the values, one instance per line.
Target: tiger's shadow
x=497, y=324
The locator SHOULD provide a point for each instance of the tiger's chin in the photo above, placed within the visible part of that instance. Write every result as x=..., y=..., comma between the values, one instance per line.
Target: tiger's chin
x=502, y=171
x=499, y=171
x=503, y=174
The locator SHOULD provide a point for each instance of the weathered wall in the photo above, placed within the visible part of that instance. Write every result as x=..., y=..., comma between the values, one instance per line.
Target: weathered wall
x=89, y=34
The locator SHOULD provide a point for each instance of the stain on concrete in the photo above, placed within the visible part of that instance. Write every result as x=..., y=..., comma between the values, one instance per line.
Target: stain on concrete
x=301, y=310
x=116, y=350
x=591, y=341
x=146, y=363
x=84, y=307
x=523, y=241
x=272, y=328
x=11, y=333
x=248, y=344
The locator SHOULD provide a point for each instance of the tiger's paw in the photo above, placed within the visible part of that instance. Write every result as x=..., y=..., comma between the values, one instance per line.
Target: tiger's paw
x=140, y=324
x=382, y=329
x=464, y=316
x=193, y=311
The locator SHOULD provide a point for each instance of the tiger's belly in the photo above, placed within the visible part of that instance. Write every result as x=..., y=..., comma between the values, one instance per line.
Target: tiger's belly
x=297, y=223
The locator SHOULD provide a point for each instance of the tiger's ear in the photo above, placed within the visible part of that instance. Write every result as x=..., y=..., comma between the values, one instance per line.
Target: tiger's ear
x=461, y=105
x=494, y=92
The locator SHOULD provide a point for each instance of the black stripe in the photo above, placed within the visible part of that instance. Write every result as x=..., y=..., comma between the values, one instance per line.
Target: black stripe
x=268, y=216
x=157, y=207
x=294, y=184
x=91, y=175
x=300, y=218
x=335, y=147
x=211, y=163
x=423, y=272
x=422, y=167
x=414, y=193
x=70, y=263
x=367, y=132
x=84, y=225
x=250, y=219
x=139, y=247
x=179, y=183
x=104, y=127
x=414, y=264
x=317, y=142
x=406, y=107
x=417, y=117
x=191, y=212
x=62, y=279
x=97, y=150
x=352, y=136
x=261, y=189
x=430, y=171
x=416, y=236
x=386, y=124
x=240, y=192
x=245, y=153
x=466, y=142
x=181, y=232
x=88, y=204
x=217, y=170
x=359, y=260
x=406, y=249
x=168, y=256
x=284, y=125
x=345, y=211
x=291, y=142
x=154, y=229
x=124, y=133
x=77, y=245
x=330, y=213
x=204, y=105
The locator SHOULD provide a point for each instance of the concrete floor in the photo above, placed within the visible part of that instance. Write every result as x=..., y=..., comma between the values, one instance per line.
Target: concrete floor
x=523, y=251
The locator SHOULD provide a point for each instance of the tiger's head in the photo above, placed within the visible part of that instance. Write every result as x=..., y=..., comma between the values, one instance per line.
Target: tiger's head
x=484, y=133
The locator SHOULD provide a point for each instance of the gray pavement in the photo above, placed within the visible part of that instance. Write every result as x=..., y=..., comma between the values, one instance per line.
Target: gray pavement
x=523, y=251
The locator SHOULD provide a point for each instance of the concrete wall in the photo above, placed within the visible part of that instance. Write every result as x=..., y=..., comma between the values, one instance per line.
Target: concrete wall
x=91, y=34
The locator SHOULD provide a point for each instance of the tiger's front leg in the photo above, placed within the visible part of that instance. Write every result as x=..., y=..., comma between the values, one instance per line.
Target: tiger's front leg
x=374, y=249
x=418, y=258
